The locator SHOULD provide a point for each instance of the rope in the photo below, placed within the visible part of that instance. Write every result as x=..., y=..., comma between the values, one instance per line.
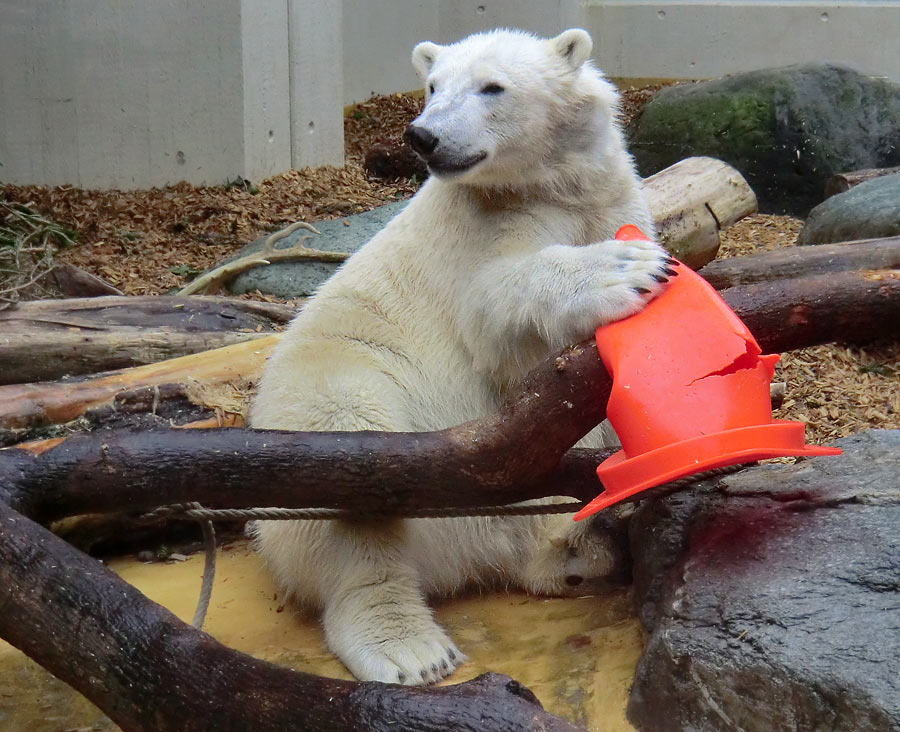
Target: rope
x=205, y=516
x=196, y=512
x=209, y=571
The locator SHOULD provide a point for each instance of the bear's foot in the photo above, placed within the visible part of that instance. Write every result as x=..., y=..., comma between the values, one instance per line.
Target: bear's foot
x=380, y=637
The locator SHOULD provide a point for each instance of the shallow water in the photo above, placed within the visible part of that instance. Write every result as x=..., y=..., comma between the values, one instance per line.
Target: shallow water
x=577, y=655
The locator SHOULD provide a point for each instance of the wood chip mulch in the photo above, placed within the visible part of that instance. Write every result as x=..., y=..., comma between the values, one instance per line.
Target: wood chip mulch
x=152, y=241
x=837, y=390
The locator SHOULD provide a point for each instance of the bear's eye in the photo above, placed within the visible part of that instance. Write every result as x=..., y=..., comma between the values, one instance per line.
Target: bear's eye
x=431, y=88
x=492, y=88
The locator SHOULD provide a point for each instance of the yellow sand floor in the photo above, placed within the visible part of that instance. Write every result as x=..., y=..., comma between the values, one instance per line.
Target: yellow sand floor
x=577, y=655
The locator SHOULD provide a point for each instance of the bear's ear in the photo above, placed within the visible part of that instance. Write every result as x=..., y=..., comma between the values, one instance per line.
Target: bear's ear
x=574, y=45
x=423, y=57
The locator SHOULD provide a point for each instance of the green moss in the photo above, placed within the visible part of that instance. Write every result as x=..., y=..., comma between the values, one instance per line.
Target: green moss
x=734, y=128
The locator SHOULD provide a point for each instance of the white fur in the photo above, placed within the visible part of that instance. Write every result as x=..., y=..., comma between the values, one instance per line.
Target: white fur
x=493, y=266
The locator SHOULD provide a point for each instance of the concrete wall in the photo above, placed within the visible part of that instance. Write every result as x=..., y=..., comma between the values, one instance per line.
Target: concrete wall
x=315, y=49
x=131, y=93
x=88, y=91
x=659, y=39
x=705, y=39
x=380, y=34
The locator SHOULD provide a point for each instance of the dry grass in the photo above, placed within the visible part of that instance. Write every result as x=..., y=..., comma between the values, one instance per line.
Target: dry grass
x=149, y=242
x=28, y=245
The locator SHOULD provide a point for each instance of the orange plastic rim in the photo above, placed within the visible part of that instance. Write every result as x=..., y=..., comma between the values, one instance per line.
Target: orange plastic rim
x=623, y=477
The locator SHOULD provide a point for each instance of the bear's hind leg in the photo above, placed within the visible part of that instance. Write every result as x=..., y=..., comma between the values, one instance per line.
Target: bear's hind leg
x=376, y=619
x=359, y=573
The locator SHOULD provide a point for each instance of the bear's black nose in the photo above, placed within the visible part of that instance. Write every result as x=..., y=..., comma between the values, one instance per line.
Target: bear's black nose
x=420, y=140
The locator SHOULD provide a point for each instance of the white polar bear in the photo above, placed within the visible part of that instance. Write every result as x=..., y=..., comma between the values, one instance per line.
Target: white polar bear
x=502, y=258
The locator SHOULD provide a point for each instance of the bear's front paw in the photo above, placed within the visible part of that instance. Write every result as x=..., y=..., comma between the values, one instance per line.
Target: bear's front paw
x=389, y=642
x=628, y=274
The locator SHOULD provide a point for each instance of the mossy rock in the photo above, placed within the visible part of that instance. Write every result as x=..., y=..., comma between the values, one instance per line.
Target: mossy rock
x=786, y=130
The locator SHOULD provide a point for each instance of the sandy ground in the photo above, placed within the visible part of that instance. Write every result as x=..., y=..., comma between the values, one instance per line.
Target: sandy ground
x=578, y=655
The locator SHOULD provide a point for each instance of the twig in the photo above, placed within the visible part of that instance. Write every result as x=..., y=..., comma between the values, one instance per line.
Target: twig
x=215, y=278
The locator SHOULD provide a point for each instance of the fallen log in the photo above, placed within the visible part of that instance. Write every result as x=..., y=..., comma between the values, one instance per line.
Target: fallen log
x=692, y=201
x=25, y=406
x=48, y=339
x=845, y=181
x=791, y=262
x=847, y=306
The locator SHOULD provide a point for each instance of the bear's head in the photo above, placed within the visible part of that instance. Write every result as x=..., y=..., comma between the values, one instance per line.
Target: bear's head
x=506, y=108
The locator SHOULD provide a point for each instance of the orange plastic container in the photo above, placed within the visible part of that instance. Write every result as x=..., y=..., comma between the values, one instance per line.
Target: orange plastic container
x=690, y=391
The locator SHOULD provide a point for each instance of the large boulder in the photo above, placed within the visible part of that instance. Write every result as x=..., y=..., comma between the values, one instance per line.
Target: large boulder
x=787, y=130
x=772, y=597
x=870, y=210
x=302, y=277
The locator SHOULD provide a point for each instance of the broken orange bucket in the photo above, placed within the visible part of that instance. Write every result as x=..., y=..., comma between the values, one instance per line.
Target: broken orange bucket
x=690, y=391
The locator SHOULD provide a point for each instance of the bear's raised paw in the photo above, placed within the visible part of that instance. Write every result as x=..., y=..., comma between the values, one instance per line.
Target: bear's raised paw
x=624, y=277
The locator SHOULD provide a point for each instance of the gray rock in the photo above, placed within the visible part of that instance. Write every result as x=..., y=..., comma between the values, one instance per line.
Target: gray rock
x=773, y=597
x=867, y=211
x=302, y=278
x=786, y=130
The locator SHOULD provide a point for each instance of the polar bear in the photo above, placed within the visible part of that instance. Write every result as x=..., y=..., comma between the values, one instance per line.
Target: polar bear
x=502, y=258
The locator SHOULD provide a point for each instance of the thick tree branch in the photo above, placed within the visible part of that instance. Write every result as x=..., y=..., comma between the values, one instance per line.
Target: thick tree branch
x=510, y=456
x=128, y=650
x=844, y=307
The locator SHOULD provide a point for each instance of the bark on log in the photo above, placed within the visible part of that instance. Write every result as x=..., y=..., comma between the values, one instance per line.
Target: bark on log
x=692, y=201
x=48, y=339
x=29, y=405
x=845, y=181
x=847, y=307
x=150, y=672
x=790, y=262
